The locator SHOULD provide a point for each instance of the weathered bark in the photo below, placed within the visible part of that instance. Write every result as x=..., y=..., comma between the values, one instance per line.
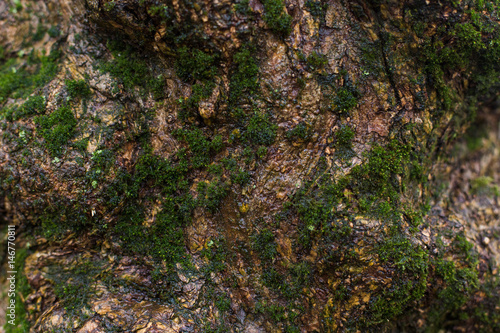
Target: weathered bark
x=212, y=166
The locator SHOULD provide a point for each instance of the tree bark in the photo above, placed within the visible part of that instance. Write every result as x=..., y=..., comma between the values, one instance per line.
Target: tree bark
x=251, y=166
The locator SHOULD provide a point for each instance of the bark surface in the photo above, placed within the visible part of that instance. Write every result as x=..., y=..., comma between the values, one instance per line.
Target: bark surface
x=251, y=166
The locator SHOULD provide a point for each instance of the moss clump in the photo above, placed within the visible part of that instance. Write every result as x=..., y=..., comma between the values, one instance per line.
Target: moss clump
x=195, y=65
x=409, y=282
x=74, y=285
x=78, y=89
x=244, y=80
x=344, y=137
x=35, y=105
x=164, y=239
x=260, y=131
x=210, y=195
x=57, y=215
x=19, y=77
x=317, y=8
x=242, y=177
x=216, y=254
x=54, y=31
x=471, y=46
x=39, y=33
x=346, y=99
x=316, y=61
x=458, y=278
x=264, y=245
x=300, y=132
x=200, y=147
x=57, y=128
x=276, y=17
x=375, y=181
x=131, y=69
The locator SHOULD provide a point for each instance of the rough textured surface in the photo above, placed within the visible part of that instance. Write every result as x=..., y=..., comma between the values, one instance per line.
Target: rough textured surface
x=258, y=166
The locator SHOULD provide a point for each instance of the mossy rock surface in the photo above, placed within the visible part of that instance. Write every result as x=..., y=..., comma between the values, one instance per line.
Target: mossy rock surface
x=243, y=167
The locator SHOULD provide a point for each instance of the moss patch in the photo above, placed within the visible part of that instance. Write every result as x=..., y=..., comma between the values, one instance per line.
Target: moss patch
x=19, y=77
x=57, y=128
x=276, y=17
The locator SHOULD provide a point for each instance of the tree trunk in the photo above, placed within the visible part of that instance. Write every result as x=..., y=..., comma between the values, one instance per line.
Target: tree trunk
x=251, y=166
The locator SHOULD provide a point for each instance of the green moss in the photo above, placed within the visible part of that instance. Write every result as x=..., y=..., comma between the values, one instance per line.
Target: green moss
x=316, y=61
x=276, y=17
x=195, y=65
x=78, y=89
x=244, y=79
x=300, y=132
x=301, y=275
x=35, y=105
x=54, y=31
x=261, y=152
x=199, y=146
x=210, y=195
x=164, y=240
x=344, y=137
x=243, y=7
x=346, y=99
x=81, y=145
x=468, y=45
x=19, y=77
x=264, y=245
x=485, y=186
x=215, y=169
x=130, y=68
x=217, y=255
x=189, y=107
x=314, y=204
x=102, y=161
x=375, y=182
x=57, y=128
x=74, y=285
x=39, y=33
x=242, y=177
x=57, y=215
x=223, y=303
x=161, y=11
x=409, y=282
x=317, y=8
x=260, y=130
